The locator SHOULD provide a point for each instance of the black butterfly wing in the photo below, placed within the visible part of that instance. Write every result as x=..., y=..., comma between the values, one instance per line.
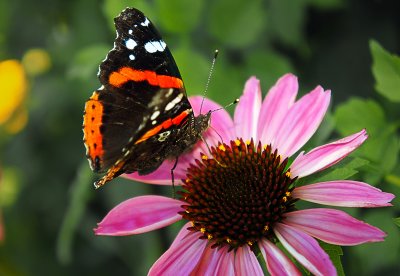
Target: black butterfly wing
x=139, y=46
x=141, y=91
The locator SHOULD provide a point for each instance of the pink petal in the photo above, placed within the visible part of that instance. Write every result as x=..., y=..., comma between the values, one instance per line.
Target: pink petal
x=327, y=155
x=215, y=262
x=301, y=122
x=221, y=125
x=345, y=193
x=208, y=262
x=139, y=215
x=277, y=262
x=183, y=255
x=247, y=111
x=246, y=262
x=275, y=107
x=305, y=249
x=333, y=226
x=226, y=262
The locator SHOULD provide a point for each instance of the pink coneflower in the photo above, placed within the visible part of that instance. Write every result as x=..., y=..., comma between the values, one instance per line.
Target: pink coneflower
x=240, y=197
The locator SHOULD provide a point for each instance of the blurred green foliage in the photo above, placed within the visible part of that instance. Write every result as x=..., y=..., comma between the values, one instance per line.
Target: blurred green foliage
x=51, y=208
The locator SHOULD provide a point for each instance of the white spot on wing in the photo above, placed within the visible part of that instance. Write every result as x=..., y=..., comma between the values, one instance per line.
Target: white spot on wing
x=154, y=115
x=154, y=46
x=131, y=57
x=145, y=23
x=130, y=31
x=163, y=135
x=169, y=92
x=130, y=44
x=172, y=103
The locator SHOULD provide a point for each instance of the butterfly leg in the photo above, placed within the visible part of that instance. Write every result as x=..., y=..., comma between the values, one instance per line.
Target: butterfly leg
x=173, y=176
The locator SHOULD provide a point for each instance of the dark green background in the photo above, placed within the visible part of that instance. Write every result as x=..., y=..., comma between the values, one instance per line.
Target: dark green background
x=49, y=225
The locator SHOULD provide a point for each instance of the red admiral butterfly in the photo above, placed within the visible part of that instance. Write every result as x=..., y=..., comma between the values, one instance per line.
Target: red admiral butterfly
x=141, y=115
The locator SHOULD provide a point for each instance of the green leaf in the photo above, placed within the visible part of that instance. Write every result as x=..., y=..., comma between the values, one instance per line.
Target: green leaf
x=375, y=256
x=81, y=189
x=390, y=153
x=393, y=179
x=9, y=186
x=287, y=20
x=344, y=170
x=113, y=8
x=86, y=63
x=4, y=24
x=186, y=60
x=386, y=70
x=335, y=252
x=177, y=16
x=227, y=82
x=383, y=149
x=237, y=23
x=397, y=221
x=382, y=146
x=267, y=66
x=340, y=173
x=356, y=114
x=354, y=163
x=260, y=259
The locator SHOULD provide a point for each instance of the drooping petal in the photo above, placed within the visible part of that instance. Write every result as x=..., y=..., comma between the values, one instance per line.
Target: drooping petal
x=277, y=262
x=333, y=226
x=304, y=249
x=327, y=155
x=226, y=262
x=183, y=255
x=275, y=107
x=208, y=262
x=301, y=121
x=215, y=262
x=345, y=193
x=248, y=110
x=139, y=215
x=246, y=262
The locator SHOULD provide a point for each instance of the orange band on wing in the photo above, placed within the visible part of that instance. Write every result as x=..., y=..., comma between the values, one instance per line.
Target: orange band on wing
x=164, y=125
x=125, y=74
x=92, y=120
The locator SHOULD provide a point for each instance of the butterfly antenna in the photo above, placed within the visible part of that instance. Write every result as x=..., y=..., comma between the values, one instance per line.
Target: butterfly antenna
x=209, y=78
x=226, y=106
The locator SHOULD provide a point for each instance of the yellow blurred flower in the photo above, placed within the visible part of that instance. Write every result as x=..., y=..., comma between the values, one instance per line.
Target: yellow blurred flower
x=17, y=122
x=9, y=186
x=36, y=62
x=13, y=88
